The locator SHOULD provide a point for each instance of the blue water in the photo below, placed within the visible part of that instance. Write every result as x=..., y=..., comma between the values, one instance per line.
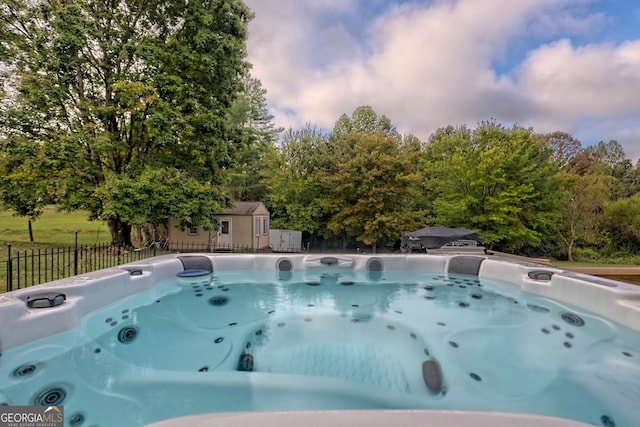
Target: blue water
x=261, y=340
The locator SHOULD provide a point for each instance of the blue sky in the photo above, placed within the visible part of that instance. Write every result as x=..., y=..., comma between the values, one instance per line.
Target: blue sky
x=568, y=65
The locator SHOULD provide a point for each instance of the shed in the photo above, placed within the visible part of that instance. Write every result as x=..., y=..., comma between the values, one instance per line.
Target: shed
x=244, y=225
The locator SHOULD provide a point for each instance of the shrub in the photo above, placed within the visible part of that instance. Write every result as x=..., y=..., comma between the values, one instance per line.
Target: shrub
x=586, y=255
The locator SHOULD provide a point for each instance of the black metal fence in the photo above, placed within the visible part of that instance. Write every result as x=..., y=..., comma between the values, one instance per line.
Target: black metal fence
x=36, y=266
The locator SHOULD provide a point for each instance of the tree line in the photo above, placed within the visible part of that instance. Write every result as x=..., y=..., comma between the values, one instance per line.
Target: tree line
x=141, y=111
x=524, y=192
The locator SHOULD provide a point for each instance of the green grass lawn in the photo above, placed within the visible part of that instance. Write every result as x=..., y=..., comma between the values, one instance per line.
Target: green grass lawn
x=567, y=264
x=52, y=228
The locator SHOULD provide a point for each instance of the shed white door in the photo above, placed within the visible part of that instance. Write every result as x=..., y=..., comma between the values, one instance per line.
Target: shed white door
x=224, y=234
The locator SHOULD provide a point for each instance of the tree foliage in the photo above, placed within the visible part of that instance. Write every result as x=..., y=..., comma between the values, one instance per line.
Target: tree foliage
x=565, y=147
x=359, y=182
x=612, y=158
x=371, y=190
x=500, y=182
x=372, y=179
x=293, y=179
x=621, y=219
x=586, y=198
x=250, y=113
x=22, y=184
x=112, y=93
x=364, y=120
x=628, y=184
x=524, y=193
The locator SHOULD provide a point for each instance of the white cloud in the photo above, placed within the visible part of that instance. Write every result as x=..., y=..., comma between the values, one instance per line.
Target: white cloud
x=594, y=80
x=291, y=43
x=430, y=65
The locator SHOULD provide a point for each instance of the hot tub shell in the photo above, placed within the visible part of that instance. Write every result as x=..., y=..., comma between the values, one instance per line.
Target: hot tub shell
x=20, y=324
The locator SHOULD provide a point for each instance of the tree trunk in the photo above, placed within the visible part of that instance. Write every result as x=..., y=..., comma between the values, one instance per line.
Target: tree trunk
x=570, y=251
x=345, y=241
x=30, y=232
x=120, y=232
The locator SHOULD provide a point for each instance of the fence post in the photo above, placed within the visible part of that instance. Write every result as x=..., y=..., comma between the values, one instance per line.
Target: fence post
x=75, y=257
x=9, y=269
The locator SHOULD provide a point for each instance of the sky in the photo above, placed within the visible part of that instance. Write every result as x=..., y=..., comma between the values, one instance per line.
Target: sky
x=552, y=65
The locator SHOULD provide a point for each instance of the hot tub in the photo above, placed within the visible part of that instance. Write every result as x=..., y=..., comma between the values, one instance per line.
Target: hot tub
x=325, y=339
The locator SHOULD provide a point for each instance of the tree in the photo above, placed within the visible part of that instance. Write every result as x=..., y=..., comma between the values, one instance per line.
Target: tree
x=22, y=183
x=629, y=184
x=113, y=93
x=370, y=192
x=586, y=161
x=249, y=113
x=372, y=184
x=363, y=120
x=587, y=195
x=359, y=183
x=613, y=158
x=621, y=219
x=500, y=182
x=294, y=180
x=565, y=147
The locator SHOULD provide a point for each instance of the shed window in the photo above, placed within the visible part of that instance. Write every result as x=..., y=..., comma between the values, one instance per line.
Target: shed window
x=257, y=226
x=193, y=231
x=265, y=225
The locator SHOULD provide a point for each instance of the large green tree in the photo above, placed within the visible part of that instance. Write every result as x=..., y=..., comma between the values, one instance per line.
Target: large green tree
x=371, y=187
x=599, y=213
x=371, y=191
x=586, y=198
x=359, y=183
x=499, y=182
x=250, y=113
x=621, y=220
x=122, y=94
x=629, y=184
x=294, y=171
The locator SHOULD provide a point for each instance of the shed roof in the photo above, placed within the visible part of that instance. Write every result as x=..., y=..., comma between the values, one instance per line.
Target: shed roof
x=244, y=208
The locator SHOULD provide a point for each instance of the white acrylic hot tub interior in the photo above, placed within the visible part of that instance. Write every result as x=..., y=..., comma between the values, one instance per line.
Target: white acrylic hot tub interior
x=327, y=332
